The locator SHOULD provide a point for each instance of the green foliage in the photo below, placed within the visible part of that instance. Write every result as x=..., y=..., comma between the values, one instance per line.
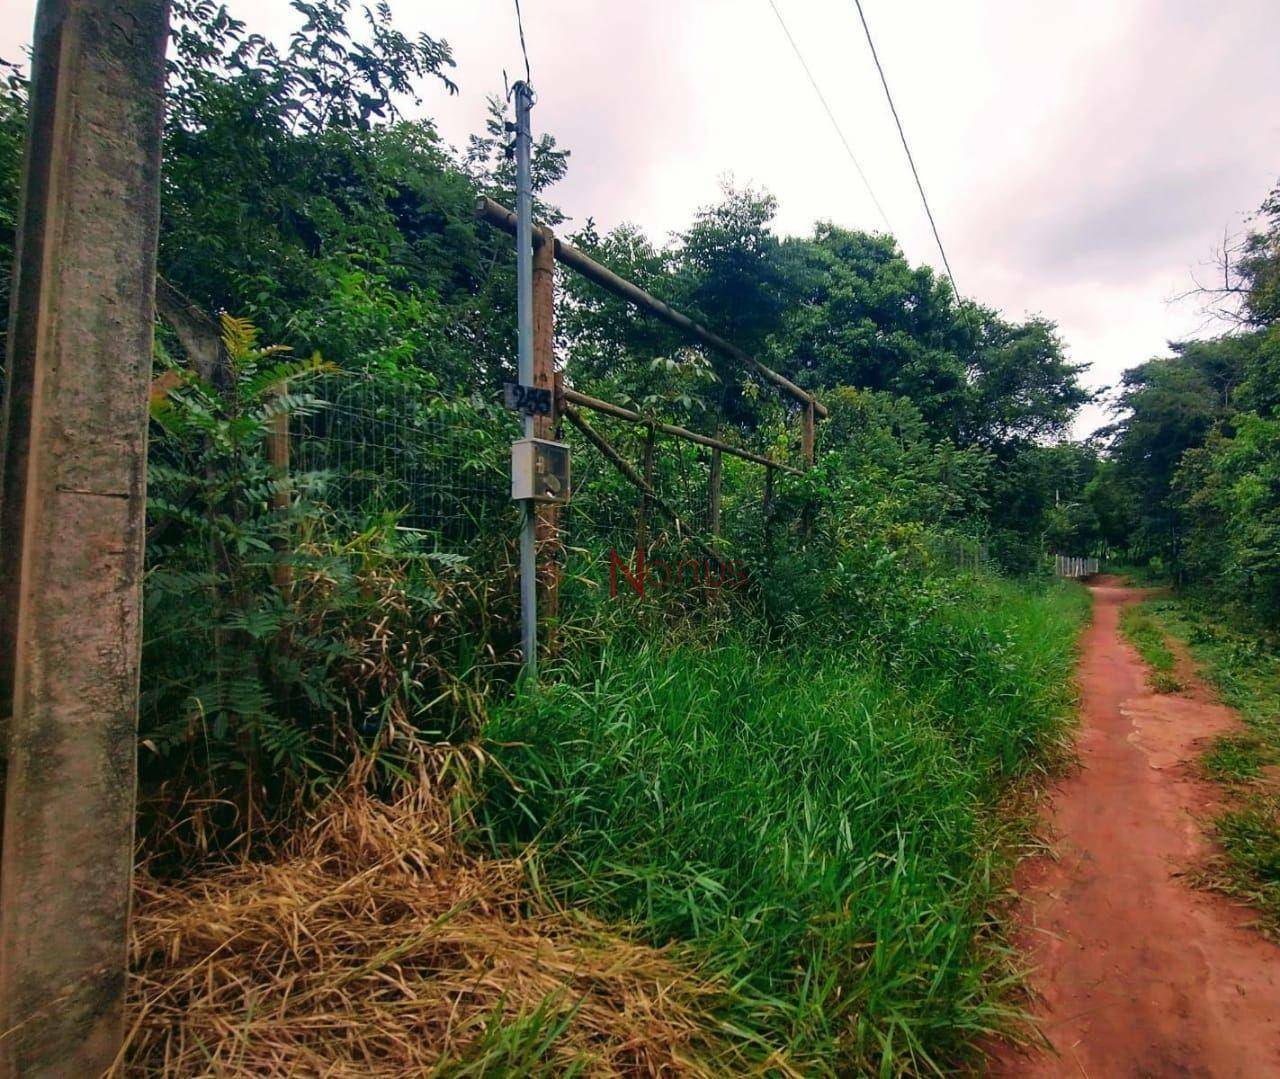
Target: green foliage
x=1237, y=757
x=1260, y=267
x=727, y=267
x=1252, y=843
x=1197, y=450
x=818, y=817
x=1143, y=632
x=834, y=311
x=1231, y=501
x=1049, y=488
x=13, y=136
x=1172, y=405
x=280, y=638
x=801, y=779
x=861, y=316
x=296, y=193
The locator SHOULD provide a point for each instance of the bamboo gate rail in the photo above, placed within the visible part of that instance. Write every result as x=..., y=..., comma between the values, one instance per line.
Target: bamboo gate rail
x=568, y=402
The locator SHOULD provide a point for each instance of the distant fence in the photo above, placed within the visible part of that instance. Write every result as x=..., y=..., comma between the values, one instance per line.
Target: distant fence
x=1070, y=566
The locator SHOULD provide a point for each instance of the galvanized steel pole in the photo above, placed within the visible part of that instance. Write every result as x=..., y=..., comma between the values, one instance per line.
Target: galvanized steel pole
x=524, y=319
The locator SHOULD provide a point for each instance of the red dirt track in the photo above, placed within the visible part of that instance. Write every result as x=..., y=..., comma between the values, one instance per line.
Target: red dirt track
x=1136, y=972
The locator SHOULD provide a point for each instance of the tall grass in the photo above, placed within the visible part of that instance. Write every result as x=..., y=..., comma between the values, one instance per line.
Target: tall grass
x=1245, y=671
x=817, y=819
x=1144, y=633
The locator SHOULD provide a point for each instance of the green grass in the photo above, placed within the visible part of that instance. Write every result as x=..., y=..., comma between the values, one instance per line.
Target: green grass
x=1246, y=674
x=1144, y=633
x=1140, y=575
x=821, y=823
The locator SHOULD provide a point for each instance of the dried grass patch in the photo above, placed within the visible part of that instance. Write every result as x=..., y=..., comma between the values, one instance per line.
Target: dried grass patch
x=375, y=944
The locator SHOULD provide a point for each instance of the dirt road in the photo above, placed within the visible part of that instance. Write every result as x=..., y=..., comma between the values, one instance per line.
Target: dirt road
x=1138, y=973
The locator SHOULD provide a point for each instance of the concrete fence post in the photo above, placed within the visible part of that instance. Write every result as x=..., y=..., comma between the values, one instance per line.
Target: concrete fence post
x=72, y=528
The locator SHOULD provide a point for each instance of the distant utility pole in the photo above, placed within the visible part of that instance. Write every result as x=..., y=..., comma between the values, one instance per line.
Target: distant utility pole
x=524, y=319
x=73, y=456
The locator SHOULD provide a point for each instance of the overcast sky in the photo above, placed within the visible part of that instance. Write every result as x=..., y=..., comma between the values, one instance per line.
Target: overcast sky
x=1083, y=158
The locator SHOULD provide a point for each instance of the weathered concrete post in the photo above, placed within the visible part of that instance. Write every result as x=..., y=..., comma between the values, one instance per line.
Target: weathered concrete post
x=72, y=520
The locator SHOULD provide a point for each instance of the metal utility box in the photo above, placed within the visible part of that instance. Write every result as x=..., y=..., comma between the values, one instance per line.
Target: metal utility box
x=539, y=470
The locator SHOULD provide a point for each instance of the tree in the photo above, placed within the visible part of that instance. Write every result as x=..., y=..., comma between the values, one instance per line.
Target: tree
x=1197, y=448
x=297, y=194
x=13, y=135
x=1259, y=267
x=1021, y=386
x=1167, y=406
x=859, y=315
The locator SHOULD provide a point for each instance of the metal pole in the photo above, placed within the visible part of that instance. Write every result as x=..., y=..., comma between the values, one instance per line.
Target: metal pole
x=524, y=320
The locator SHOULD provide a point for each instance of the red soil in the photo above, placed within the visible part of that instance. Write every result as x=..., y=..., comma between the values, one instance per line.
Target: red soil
x=1136, y=973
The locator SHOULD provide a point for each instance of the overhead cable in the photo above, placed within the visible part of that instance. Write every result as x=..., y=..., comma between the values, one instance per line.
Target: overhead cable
x=910, y=160
x=830, y=115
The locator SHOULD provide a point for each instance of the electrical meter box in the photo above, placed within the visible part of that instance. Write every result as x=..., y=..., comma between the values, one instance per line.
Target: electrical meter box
x=539, y=470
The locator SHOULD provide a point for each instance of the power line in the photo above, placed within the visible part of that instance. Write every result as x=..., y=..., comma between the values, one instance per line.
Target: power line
x=910, y=160
x=528, y=78
x=830, y=115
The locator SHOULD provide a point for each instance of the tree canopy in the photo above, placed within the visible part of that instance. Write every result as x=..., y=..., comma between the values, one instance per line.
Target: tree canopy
x=1196, y=446
x=306, y=189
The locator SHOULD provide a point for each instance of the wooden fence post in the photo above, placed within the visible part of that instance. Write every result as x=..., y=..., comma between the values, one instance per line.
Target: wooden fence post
x=806, y=451
x=546, y=515
x=642, y=514
x=636, y=480
x=281, y=499
x=806, y=436
x=768, y=511
x=73, y=528
x=713, y=490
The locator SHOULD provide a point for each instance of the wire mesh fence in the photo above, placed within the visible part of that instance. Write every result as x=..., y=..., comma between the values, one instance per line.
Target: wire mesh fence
x=961, y=553
x=438, y=462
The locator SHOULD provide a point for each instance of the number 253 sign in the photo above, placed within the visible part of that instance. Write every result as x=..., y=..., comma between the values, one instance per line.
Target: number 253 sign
x=531, y=400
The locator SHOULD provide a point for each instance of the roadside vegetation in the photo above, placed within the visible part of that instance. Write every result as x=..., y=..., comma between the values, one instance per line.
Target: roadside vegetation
x=1246, y=674
x=1193, y=475
x=374, y=942
x=818, y=819
x=1189, y=491
x=1145, y=634
x=727, y=854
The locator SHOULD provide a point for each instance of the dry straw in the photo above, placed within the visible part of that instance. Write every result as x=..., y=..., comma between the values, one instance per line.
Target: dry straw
x=375, y=944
